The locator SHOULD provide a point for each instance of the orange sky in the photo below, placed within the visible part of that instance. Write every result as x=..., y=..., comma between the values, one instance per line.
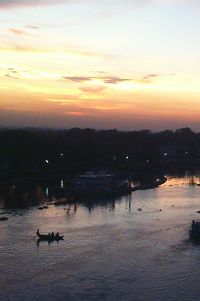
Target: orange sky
x=130, y=65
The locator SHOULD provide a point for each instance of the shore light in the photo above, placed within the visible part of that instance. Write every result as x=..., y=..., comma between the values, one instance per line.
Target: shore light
x=47, y=161
x=47, y=192
x=62, y=184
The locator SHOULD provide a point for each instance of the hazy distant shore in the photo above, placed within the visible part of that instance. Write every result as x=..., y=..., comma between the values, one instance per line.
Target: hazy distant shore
x=45, y=152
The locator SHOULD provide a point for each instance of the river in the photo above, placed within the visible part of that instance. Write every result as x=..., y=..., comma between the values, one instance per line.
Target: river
x=111, y=251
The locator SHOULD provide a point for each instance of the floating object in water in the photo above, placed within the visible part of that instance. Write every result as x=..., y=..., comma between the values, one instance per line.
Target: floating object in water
x=50, y=237
x=140, y=209
x=194, y=232
x=198, y=211
x=160, y=210
x=2, y=219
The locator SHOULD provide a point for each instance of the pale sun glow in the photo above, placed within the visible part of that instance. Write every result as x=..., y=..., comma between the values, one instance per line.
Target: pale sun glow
x=101, y=65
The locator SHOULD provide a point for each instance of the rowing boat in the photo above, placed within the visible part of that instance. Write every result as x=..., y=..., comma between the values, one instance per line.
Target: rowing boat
x=49, y=236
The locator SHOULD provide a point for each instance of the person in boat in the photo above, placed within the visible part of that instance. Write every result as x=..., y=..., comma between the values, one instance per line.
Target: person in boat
x=38, y=232
x=52, y=234
x=57, y=235
x=193, y=225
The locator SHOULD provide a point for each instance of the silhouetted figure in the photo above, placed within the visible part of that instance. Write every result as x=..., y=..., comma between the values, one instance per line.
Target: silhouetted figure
x=113, y=205
x=75, y=207
x=129, y=205
x=193, y=225
x=52, y=234
x=57, y=235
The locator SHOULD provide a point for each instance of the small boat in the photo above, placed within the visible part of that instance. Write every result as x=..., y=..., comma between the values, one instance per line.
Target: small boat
x=2, y=219
x=194, y=232
x=49, y=237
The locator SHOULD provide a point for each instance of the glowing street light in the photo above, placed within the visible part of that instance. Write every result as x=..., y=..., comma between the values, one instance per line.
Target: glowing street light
x=47, y=192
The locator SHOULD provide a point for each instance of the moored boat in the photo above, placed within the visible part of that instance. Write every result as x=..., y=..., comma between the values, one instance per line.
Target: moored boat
x=98, y=184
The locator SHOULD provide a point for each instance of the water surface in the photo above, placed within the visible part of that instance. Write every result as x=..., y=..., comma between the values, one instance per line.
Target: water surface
x=111, y=251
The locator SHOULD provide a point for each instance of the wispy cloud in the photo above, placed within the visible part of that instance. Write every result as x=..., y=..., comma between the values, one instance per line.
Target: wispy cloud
x=33, y=27
x=114, y=79
x=25, y=3
x=19, y=32
x=4, y=4
x=21, y=47
x=27, y=74
x=105, y=79
x=75, y=113
x=93, y=90
x=29, y=47
x=78, y=79
x=65, y=99
x=82, y=52
x=12, y=73
x=152, y=77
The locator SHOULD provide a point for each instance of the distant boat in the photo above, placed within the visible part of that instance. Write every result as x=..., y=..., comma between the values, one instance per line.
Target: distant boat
x=49, y=236
x=194, y=232
x=3, y=218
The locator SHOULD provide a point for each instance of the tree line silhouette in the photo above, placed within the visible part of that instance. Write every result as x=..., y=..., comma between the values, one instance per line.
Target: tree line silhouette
x=80, y=149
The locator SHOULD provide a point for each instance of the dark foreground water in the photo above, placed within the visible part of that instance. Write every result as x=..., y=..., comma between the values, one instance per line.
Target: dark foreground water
x=111, y=251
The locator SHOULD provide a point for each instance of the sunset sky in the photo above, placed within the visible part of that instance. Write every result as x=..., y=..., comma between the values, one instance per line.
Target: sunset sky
x=125, y=64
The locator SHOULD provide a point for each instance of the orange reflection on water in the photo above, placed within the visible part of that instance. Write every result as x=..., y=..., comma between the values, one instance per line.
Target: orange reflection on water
x=186, y=180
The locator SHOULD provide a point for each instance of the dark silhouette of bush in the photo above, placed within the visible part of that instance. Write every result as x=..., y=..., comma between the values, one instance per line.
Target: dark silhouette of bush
x=73, y=149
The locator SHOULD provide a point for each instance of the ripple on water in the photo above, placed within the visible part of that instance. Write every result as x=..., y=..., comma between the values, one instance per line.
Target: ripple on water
x=108, y=253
